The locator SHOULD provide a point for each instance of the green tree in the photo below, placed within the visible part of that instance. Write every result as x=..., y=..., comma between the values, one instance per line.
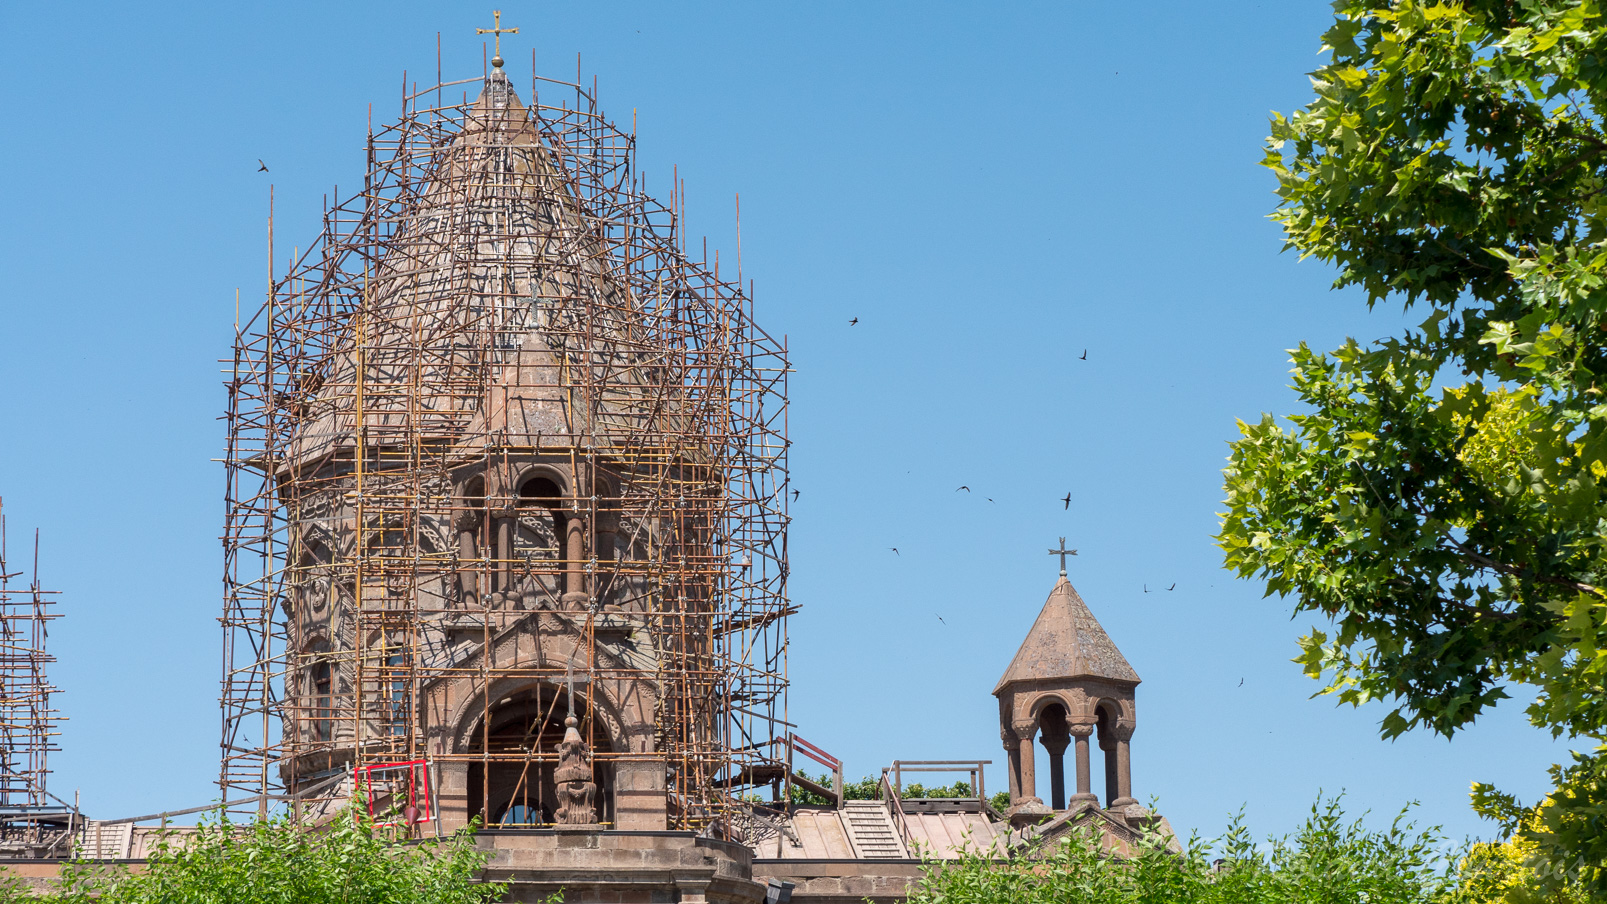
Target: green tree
x=1439, y=496
x=272, y=860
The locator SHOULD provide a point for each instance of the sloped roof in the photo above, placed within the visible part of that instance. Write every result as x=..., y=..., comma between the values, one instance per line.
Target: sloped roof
x=480, y=295
x=1067, y=642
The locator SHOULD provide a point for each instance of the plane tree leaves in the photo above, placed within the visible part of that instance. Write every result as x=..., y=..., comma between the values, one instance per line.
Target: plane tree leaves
x=1437, y=495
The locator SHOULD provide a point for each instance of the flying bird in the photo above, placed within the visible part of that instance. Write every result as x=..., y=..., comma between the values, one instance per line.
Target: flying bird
x=1146, y=588
x=1173, y=587
x=990, y=500
x=794, y=495
x=1241, y=682
x=261, y=167
x=854, y=322
x=940, y=618
x=1067, y=500
x=895, y=551
x=959, y=488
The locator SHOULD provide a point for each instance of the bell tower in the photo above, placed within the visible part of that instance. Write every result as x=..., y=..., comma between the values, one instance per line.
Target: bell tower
x=1066, y=685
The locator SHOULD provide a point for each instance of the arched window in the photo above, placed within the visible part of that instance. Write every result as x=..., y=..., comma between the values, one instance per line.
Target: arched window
x=542, y=496
x=542, y=523
x=396, y=692
x=514, y=785
x=1107, y=747
x=321, y=693
x=521, y=815
x=1055, y=737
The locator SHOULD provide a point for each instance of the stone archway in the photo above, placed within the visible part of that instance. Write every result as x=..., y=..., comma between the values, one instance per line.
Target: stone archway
x=512, y=784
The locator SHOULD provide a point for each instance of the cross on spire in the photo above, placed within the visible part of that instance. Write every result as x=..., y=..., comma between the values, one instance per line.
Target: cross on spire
x=498, y=31
x=1062, y=552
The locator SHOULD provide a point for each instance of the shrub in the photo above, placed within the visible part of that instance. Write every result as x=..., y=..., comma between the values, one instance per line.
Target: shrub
x=273, y=861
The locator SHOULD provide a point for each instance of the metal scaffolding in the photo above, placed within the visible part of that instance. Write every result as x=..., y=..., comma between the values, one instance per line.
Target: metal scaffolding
x=502, y=292
x=32, y=821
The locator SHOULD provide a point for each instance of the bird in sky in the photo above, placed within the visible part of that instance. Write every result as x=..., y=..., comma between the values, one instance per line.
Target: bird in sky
x=1173, y=587
x=1084, y=355
x=1241, y=682
x=895, y=551
x=794, y=495
x=940, y=618
x=962, y=487
x=854, y=322
x=1146, y=588
x=990, y=500
x=261, y=167
x=1067, y=500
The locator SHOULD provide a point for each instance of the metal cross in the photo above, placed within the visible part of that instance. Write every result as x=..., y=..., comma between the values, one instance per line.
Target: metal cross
x=1062, y=552
x=498, y=31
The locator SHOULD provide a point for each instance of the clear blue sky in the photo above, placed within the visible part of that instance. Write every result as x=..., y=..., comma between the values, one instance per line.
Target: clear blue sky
x=990, y=189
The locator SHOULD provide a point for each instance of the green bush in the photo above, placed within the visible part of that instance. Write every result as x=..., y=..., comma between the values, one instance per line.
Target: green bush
x=1329, y=860
x=272, y=861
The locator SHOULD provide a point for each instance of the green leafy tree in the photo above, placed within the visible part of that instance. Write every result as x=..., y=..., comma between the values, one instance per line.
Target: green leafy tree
x=273, y=860
x=1439, y=496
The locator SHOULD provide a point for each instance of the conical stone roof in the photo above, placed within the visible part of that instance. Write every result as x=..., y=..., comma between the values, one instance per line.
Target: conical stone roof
x=495, y=268
x=1067, y=642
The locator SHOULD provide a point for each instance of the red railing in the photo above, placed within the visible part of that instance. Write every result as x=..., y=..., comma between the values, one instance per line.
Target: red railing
x=796, y=744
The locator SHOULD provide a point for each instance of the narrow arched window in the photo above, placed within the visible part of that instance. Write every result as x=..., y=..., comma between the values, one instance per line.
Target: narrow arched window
x=321, y=684
x=539, y=540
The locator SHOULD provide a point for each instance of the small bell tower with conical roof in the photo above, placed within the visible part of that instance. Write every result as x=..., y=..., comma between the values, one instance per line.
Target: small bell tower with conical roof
x=1067, y=683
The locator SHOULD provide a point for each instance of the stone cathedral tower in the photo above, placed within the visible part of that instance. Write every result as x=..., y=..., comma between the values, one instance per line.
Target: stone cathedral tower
x=502, y=436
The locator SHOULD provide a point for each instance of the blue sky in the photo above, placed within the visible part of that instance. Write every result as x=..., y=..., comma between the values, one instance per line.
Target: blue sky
x=990, y=189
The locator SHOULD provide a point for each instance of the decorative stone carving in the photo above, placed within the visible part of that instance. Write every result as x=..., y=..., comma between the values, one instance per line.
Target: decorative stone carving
x=576, y=790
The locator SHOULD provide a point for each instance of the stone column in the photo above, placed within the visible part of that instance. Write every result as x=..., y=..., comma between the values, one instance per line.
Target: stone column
x=1081, y=731
x=1026, y=808
x=1124, y=765
x=1057, y=769
x=468, y=528
x=1107, y=744
x=602, y=554
x=575, y=554
x=1029, y=769
x=1012, y=754
x=504, y=567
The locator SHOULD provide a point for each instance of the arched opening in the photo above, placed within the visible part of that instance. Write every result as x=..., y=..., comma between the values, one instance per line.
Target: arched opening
x=1105, y=721
x=520, y=740
x=1054, y=735
x=395, y=690
x=540, y=538
x=320, y=722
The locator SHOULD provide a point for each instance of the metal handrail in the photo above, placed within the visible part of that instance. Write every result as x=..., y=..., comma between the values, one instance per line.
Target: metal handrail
x=796, y=744
x=895, y=808
x=974, y=767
